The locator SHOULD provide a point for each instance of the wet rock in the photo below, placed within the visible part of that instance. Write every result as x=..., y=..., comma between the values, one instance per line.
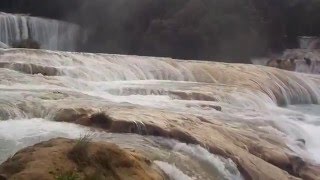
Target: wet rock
x=258, y=153
x=308, y=61
x=274, y=63
x=30, y=68
x=89, y=160
x=255, y=157
x=27, y=43
x=304, y=169
x=206, y=106
x=192, y=96
x=218, y=108
x=310, y=172
x=2, y=177
x=73, y=115
x=219, y=138
x=183, y=136
x=101, y=120
x=286, y=64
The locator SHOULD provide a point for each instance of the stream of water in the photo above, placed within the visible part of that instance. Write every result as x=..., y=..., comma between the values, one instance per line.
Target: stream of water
x=35, y=85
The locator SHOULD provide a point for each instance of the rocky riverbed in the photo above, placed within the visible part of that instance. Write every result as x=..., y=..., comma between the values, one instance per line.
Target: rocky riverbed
x=237, y=121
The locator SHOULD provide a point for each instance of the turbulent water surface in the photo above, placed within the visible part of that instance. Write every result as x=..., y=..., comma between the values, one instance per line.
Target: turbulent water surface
x=298, y=60
x=35, y=86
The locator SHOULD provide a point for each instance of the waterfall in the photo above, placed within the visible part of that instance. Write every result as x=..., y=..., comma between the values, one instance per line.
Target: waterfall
x=50, y=34
x=298, y=60
x=222, y=110
x=30, y=131
x=301, y=58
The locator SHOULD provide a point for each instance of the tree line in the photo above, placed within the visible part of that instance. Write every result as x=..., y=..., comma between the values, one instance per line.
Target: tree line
x=229, y=30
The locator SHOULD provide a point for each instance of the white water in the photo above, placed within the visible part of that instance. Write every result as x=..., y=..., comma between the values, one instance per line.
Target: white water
x=50, y=34
x=17, y=134
x=38, y=84
x=172, y=171
x=299, y=57
x=310, y=127
x=217, y=165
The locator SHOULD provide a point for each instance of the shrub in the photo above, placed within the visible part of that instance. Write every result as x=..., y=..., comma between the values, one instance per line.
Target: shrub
x=79, y=153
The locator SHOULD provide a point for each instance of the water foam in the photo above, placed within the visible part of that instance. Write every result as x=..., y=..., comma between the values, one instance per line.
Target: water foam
x=172, y=171
x=16, y=134
x=247, y=95
x=217, y=165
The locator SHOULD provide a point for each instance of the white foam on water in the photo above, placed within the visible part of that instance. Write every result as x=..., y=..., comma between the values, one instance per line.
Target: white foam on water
x=172, y=171
x=312, y=140
x=295, y=123
x=30, y=128
x=308, y=123
x=16, y=134
x=227, y=167
x=246, y=93
x=219, y=165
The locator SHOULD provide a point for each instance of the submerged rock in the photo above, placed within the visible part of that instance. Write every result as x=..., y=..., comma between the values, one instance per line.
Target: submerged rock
x=27, y=43
x=70, y=159
x=285, y=64
x=30, y=68
x=299, y=60
x=258, y=155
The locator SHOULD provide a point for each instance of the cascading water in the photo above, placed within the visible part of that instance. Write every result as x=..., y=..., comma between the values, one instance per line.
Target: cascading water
x=50, y=34
x=301, y=57
x=30, y=131
x=253, y=105
x=298, y=60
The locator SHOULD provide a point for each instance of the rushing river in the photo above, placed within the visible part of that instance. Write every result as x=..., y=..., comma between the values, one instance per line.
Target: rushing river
x=36, y=85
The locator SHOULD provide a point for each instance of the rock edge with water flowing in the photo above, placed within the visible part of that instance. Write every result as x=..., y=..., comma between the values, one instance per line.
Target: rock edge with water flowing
x=219, y=106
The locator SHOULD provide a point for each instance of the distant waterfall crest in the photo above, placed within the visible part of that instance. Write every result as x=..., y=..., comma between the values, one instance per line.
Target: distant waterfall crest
x=50, y=34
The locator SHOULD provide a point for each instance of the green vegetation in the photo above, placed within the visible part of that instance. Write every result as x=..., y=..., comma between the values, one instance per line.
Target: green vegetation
x=198, y=29
x=79, y=153
x=68, y=176
x=189, y=29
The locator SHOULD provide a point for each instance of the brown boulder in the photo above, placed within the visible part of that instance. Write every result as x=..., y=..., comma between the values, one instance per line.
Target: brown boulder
x=64, y=158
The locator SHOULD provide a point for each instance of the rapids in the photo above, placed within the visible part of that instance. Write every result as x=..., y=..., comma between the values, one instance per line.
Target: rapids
x=300, y=63
x=298, y=60
x=38, y=86
x=200, y=163
x=50, y=34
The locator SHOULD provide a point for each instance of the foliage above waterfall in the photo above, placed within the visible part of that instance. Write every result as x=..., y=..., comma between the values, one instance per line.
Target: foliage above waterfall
x=190, y=29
